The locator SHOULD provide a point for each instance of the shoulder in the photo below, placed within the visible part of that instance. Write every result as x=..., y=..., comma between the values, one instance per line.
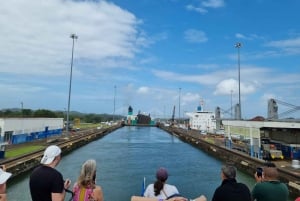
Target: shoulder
x=46, y=171
x=97, y=193
x=171, y=187
x=244, y=186
x=150, y=186
x=98, y=189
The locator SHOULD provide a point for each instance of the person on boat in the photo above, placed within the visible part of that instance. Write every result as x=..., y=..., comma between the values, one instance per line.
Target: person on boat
x=177, y=198
x=85, y=189
x=4, y=176
x=230, y=189
x=45, y=182
x=160, y=189
x=270, y=188
x=258, y=174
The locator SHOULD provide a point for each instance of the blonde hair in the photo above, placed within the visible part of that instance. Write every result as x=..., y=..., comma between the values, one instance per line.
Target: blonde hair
x=87, y=174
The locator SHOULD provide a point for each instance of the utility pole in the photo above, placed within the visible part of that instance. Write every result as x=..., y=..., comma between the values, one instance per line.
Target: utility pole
x=238, y=46
x=114, y=102
x=74, y=37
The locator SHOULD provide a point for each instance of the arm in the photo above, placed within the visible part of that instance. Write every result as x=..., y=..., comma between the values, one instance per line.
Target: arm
x=58, y=196
x=3, y=188
x=201, y=198
x=3, y=197
x=138, y=198
x=257, y=178
x=61, y=196
x=98, y=194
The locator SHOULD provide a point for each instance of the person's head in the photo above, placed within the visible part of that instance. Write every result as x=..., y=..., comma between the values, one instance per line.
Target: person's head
x=228, y=172
x=161, y=177
x=162, y=174
x=88, y=173
x=270, y=173
x=51, y=156
x=4, y=176
x=269, y=164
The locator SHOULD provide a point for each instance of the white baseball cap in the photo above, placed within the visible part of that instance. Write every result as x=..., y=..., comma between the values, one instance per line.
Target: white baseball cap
x=50, y=153
x=4, y=176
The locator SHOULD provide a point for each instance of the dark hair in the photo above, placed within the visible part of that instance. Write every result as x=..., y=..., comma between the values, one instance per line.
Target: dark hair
x=158, y=186
x=269, y=164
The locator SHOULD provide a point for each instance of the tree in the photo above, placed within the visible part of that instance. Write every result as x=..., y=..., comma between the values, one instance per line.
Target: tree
x=44, y=113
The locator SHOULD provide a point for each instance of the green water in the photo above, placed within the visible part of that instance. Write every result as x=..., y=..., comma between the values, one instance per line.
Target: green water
x=129, y=154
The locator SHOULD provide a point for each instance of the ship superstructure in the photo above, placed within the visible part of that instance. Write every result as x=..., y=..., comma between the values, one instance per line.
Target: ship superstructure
x=201, y=120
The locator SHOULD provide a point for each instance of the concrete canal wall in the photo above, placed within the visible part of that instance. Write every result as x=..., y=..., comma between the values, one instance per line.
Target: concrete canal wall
x=211, y=145
x=24, y=163
x=214, y=146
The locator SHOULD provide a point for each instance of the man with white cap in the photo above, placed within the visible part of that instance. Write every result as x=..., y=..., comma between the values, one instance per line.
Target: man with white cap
x=46, y=183
x=4, y=176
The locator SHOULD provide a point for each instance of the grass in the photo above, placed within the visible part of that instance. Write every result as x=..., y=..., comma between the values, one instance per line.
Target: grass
x=87, y=125
x=18, y=151
x=90, y=125
x=22, y=150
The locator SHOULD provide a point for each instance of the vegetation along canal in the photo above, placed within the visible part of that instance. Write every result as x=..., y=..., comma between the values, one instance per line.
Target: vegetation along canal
x=127, y=155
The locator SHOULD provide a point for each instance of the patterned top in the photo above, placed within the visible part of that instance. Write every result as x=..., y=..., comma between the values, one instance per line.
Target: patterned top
x=82, y=194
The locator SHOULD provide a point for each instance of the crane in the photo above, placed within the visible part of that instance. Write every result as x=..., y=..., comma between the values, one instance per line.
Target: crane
x=173, y=116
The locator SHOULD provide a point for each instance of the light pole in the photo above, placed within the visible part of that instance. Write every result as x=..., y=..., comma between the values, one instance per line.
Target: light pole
x=231, y=91
x=179, y=105
x=114, y=102
x=65, y=113
x=238, y=46
x=22, y=109
x=73, y=36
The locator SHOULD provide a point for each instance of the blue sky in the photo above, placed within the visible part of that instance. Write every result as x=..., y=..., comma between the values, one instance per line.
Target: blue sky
x=150, y=54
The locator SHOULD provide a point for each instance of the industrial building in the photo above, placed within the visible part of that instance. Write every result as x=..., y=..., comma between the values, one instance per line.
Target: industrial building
x=20, y=130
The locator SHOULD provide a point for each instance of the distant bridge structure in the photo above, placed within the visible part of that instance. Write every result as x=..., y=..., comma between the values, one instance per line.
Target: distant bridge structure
x=231, y=113
x=273, y=109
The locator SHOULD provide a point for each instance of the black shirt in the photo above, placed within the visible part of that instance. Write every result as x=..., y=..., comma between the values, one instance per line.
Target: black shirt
x=230, y=190
x=43, y=181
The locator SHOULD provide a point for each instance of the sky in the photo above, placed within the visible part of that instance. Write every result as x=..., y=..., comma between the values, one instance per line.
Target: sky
x=151, y=55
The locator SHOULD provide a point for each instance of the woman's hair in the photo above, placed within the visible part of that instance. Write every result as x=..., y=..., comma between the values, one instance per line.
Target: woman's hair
x=161, y=177
x=158, y=185
x=87, y=174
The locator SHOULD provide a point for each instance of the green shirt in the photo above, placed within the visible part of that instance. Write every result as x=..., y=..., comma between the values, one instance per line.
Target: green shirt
x=270, y=191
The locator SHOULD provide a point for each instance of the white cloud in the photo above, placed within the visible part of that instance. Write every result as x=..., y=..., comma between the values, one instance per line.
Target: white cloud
x=286, y=47
x=36, y=33
x=205, y=4
x=248, y=36
x=294, y=42
x=143, y=90
x=190, y=97
x=267, y=96
x=213, y=3
x=195, y=36
x=238, y=35
x=197, y=9
x=230, y=86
